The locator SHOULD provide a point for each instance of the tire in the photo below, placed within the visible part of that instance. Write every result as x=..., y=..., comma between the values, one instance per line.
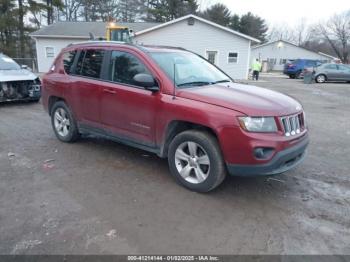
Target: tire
x=63, y=123
x=291, y=76
x=321, y=78
x=297, y=75
x=205, y=148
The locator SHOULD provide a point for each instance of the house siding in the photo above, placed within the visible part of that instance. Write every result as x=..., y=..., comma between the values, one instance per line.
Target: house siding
x=286, y=51
x=200, y=38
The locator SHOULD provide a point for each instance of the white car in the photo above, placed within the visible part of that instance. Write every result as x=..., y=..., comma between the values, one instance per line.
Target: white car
x=16, y=82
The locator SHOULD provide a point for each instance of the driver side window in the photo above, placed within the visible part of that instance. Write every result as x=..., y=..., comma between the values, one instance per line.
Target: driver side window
x=124, y=66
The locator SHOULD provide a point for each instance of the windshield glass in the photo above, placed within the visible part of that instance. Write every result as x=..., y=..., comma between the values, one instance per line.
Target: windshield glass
x=7, y=63
x=191, y=70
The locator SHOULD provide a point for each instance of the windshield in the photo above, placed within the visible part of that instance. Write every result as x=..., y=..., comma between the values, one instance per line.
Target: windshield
x=191, y=70
x=7, y=63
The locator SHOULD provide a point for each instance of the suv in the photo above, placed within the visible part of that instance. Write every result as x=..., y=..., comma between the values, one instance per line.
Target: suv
x=176, y=104
x=296, y=68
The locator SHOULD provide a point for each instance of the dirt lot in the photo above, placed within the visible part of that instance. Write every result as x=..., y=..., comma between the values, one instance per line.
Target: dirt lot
x=97, y=196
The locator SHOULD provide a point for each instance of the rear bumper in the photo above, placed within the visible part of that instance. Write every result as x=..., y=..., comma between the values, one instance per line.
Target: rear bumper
x=280, y=163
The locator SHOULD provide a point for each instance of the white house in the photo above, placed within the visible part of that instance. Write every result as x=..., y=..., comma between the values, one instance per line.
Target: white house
x=277, y=53
x=228, y=49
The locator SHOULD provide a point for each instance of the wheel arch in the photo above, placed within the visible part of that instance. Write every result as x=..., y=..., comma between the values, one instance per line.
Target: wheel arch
x=178, y=126
x=52, y=101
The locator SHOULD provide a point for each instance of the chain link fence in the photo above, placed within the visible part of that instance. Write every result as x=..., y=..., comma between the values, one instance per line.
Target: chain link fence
x=31, y=63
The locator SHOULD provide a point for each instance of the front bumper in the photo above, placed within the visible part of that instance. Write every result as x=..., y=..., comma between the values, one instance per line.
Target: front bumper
x=280, y=163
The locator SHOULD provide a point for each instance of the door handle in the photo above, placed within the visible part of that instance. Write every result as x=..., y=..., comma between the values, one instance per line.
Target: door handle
x=110, y=91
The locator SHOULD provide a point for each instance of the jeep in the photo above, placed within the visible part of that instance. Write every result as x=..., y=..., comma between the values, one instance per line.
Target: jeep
x=174, y=103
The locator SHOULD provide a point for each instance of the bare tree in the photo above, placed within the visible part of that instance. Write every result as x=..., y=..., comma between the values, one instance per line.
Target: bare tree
x=302, y=32
x=281, y=32
x=70, y=11
x=336, y=31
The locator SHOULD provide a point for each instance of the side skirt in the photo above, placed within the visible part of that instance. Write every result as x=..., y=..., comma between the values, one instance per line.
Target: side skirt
x=85, y=129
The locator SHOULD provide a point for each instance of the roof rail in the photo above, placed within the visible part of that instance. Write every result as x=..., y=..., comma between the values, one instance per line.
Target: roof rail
x=99, y=42
x=164, y=46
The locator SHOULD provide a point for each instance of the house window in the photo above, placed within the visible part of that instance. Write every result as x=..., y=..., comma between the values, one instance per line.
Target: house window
x=212, y=57
x=283, y=61
x=50, y=51
x=232, y=58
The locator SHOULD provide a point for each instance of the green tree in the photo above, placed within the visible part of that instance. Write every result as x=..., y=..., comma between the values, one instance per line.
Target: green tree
x=254, y=26
x=8, y=27
x=166, y=10
x=235, y=22
x=218, y=13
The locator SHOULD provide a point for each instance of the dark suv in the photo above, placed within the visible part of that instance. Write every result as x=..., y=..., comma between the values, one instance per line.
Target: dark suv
x=177, y=105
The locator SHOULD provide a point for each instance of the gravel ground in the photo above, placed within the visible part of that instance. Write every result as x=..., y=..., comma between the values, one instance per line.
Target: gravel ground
x=99, y=197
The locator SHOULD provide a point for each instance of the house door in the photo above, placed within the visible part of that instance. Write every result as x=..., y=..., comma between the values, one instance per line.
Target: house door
x=212, y=57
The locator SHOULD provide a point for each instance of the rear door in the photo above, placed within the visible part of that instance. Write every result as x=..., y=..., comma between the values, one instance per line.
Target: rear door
x=86, y=91
x=128, y=110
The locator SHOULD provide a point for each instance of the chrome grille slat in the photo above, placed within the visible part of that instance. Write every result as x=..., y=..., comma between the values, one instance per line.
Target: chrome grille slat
x=292, y=125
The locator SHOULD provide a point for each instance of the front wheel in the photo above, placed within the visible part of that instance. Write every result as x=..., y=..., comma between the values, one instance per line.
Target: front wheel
x=195, y=161
x=320, y=78
x=63, y=123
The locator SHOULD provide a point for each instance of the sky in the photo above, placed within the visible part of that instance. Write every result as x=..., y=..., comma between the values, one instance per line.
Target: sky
x=285, y=12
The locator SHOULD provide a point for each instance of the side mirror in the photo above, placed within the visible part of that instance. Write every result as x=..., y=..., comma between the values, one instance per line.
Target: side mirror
x=146, y=81
x=24, y=66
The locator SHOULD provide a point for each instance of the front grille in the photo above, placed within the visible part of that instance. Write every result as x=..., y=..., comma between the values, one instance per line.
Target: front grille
x=292, y=125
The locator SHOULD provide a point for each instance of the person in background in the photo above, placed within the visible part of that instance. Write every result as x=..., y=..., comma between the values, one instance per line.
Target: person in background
x=256, y=69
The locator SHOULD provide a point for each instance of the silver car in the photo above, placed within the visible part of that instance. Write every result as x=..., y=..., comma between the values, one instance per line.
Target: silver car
x=332, y=72
x=16, y=82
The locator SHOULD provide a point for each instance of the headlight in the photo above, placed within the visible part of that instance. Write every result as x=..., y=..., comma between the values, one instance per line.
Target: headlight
x=258, y=124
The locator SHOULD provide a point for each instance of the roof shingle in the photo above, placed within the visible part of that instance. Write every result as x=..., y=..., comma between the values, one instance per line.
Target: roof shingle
x=82, y=29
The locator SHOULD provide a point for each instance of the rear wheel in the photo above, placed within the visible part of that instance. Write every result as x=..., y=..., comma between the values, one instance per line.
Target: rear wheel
x=321, y=79
x=195, y=161
x=291, y=76
x=63, y=123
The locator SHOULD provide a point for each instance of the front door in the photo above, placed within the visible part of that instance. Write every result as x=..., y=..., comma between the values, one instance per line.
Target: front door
x=128, y=110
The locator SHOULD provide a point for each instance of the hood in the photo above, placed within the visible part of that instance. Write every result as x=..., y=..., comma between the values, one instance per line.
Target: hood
x=16, y=75
x=249, y=100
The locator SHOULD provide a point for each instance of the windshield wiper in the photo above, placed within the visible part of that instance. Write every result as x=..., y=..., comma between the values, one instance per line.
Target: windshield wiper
x=195, y=83
x=222, y=81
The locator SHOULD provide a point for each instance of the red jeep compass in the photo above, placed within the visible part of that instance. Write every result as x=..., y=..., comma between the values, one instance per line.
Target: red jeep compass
x=174, y=103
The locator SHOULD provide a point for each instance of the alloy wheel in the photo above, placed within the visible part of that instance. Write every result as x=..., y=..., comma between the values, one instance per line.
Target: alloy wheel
x=192, y=162
x=61, y=122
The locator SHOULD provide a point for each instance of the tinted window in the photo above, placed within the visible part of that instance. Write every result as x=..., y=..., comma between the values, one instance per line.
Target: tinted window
x=342, y=67
x=68, y=59
x=124, y=66
x=332, y=67
x=310, y=63
x=92, y=63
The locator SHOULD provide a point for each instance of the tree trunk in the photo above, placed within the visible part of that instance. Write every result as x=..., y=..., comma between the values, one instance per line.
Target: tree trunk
x=21, y=28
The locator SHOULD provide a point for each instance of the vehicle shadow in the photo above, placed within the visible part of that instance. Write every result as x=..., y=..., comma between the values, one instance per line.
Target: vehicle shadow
x=151, y=169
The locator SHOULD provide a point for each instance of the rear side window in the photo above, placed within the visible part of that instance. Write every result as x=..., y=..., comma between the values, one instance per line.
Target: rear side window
x=124, y=66
x=90, y=63
x=332, y=67
x=68, y=59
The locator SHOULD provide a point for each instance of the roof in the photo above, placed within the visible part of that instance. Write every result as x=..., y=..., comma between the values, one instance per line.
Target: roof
x=202, y=20
x=290, y=43
x=82, y=29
